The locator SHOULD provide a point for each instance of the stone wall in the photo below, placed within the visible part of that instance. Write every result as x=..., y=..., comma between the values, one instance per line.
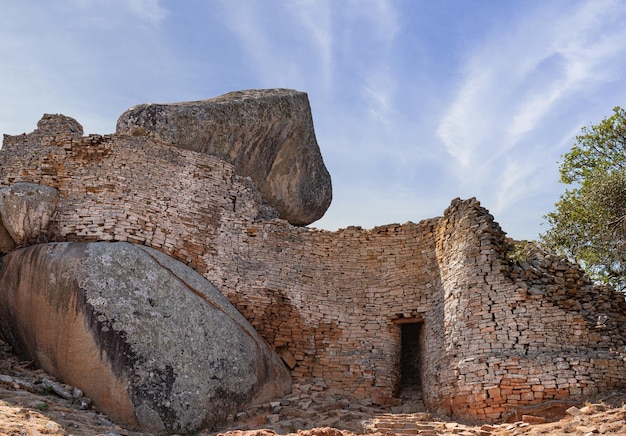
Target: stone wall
x=522, y=331
x=497, y=332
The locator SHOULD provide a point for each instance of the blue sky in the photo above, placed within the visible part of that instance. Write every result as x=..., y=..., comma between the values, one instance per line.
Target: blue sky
x=415, y=102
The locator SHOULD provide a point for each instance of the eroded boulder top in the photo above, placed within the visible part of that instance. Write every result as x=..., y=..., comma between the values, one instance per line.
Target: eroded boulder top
x=267, y=135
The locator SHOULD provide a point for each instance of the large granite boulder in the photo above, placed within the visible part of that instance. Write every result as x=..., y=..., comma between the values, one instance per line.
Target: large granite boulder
x=26, y=209
x=267, y=135
x=148, y=339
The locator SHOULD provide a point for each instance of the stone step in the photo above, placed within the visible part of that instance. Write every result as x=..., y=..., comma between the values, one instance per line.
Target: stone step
x=418, y=424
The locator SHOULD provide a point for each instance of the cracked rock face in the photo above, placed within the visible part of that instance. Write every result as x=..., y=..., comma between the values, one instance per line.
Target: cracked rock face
x=267, y=135
x=149, y=340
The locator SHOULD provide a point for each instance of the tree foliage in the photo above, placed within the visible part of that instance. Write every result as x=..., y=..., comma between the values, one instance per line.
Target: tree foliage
x=589, y=223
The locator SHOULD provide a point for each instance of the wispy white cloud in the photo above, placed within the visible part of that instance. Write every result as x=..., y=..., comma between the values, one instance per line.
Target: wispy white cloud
x=379, y=90
x=465, y=125
x=382, y=18
x=530, y=112
x=316, y=17
x=243, y=20
x=511, y=85
x=517, y=179
x=368, y=42
x=288, y=44
x=507, y=89
x=586, y=48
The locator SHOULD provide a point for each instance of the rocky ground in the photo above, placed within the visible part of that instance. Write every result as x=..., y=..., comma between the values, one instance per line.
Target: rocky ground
x=32, y=403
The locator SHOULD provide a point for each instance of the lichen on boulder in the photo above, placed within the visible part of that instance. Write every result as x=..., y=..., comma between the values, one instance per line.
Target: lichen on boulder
x=149, y=340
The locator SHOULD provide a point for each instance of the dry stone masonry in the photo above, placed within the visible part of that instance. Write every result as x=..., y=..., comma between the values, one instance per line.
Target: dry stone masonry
x=488, y=325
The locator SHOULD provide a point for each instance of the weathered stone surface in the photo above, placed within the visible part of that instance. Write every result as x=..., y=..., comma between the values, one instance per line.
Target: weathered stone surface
x=26, y=209
x=267, y=135
x=6, y=241
x=149, y=340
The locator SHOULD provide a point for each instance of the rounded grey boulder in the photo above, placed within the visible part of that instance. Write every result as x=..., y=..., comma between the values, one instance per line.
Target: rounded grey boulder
x=148, y=339
x=267, y=135
x=26, y=209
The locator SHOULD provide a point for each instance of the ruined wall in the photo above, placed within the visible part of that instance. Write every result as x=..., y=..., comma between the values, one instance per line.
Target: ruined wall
x=497, y=333
x=521, y=331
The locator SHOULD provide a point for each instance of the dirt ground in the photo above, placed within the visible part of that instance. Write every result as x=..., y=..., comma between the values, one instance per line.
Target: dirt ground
x=31, y=403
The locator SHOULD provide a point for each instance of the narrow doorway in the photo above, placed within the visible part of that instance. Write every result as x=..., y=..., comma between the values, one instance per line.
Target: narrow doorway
x=411, y=360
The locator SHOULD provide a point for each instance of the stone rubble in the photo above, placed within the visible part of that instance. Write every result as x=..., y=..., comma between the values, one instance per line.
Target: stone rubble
x=268, y=419
x=321, y=411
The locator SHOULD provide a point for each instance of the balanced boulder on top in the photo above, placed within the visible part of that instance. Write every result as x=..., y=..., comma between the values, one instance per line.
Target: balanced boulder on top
x=267, y=135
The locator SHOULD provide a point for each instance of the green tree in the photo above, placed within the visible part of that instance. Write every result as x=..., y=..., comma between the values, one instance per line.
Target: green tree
x=589, y=223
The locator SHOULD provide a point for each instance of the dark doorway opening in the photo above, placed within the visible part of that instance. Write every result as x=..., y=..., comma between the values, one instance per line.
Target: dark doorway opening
x=412, y=338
